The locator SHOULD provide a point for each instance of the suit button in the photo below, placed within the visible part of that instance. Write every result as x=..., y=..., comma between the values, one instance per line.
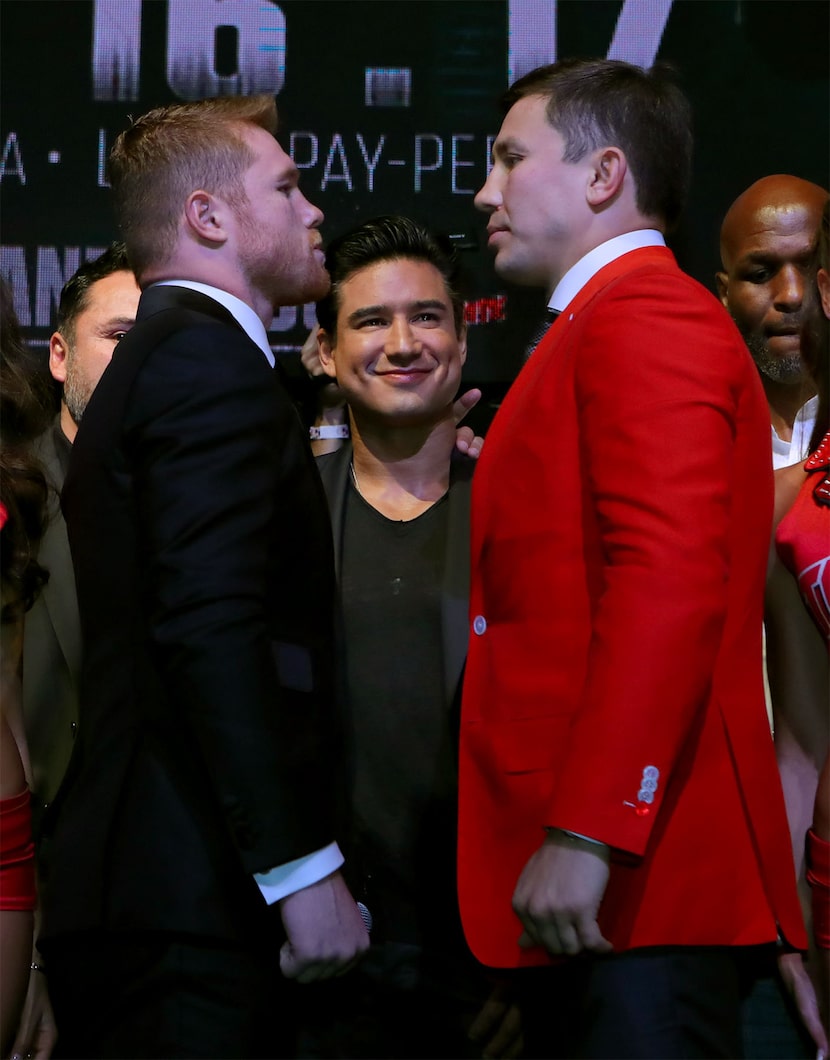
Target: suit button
x=479, y=624
x=644, y=795
x=73, y=727
x=651, y=773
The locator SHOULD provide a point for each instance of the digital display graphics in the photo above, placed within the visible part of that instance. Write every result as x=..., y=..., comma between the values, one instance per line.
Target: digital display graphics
x=385, y=106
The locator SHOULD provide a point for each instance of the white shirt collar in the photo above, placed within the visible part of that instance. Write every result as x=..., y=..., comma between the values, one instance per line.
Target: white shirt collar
x=589, y=265
x=242, y=313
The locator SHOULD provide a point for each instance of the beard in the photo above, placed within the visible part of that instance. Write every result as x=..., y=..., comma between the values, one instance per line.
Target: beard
x=283, y=284
x=286, y=272
x=788, y=370
x=76, y=393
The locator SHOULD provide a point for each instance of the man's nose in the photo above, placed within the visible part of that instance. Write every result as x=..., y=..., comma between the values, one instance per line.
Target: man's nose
x=312, y=214
x=401, y=340
x=789, y=288
x=488, y=197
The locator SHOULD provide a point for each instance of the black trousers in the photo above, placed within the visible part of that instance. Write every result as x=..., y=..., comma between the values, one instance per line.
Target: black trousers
x=400, y=1003
x=147, y=996
x=666, y=1003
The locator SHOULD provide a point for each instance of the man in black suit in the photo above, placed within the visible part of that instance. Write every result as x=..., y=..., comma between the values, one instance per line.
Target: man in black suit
x=97, y=308
x=191, y=851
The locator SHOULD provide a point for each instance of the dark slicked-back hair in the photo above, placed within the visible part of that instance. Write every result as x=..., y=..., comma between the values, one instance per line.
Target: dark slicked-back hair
x=596, y=103
x=75, y=293
x=172, y=151
x=388, y=238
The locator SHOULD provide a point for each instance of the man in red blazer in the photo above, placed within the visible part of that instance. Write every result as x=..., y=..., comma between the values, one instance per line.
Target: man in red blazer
x=618, y=782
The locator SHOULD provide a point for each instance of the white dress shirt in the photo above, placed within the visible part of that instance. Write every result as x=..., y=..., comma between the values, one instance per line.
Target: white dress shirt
x=589, y=265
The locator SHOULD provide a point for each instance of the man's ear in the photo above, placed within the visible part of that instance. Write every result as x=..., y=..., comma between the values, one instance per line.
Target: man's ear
x=326, y=349
x=462, y=343
x=823, y=280
x=58, y=353
x=205, y=216
x=722, y=284
x=607, y=175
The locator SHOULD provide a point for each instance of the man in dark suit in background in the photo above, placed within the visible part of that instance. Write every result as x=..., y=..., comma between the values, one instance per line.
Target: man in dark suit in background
x=197, y=804
x=97, y=308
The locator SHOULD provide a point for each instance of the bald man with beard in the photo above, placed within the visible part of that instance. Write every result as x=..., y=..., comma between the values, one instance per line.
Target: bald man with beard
x=767, y=239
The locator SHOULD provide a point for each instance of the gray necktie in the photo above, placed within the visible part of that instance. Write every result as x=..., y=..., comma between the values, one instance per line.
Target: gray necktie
x=541, y=328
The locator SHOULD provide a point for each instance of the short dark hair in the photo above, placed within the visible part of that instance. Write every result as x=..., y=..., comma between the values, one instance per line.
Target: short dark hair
x=75, y=293
x=387, y=238
x=604, y=102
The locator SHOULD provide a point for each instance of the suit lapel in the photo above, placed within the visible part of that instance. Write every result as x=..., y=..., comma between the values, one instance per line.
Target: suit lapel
x=455, y=589
x=334, y=473
x=455, y=585
x=621, y=266
x=531, y=373
x=59, y=595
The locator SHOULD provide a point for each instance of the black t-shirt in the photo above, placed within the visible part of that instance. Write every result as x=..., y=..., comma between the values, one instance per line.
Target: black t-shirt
x=404, y=779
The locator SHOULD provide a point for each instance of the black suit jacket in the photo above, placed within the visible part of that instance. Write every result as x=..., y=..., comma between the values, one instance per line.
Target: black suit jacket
x=435, y=909
x=51, y=647
x=203, y=561
x=335, y=473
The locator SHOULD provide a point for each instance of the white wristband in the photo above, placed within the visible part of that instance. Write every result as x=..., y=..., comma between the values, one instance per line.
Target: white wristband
x=337, y=430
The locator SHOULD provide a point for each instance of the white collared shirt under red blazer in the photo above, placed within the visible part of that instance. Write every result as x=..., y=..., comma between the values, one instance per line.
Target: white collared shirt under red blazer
x=620, y=526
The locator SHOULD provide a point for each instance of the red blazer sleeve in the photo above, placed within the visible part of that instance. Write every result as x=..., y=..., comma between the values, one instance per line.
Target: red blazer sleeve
x=658, y=413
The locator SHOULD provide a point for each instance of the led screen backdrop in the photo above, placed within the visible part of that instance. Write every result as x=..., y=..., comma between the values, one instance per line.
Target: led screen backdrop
x=385, y=106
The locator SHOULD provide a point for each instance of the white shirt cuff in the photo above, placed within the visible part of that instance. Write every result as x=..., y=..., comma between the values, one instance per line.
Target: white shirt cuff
x=302, y=872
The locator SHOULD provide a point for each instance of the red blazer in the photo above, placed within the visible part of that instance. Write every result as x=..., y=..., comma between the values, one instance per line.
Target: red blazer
x=621, y=517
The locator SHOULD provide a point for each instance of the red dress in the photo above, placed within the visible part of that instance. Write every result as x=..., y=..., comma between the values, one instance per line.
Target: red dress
x=803, y=537
x=17, y=852
x=803, y=543
x=17, y=863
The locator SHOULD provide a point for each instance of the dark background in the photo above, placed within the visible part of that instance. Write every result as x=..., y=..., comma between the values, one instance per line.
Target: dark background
x=755, y=70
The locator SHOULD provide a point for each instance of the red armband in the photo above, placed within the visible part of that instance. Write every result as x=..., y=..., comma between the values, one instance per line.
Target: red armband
x=818, y=876
x=17, y=853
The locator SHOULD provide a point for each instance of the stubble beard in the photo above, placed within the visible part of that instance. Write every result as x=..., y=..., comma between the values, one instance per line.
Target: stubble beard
x=282, y=283
x=788, y=370
x=76, y=392
x=285, y=286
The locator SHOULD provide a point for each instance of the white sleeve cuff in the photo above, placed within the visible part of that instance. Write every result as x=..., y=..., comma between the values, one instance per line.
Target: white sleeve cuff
x=302, y=872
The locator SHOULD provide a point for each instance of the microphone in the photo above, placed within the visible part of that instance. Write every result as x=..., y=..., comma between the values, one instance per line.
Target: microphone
x=365, y=916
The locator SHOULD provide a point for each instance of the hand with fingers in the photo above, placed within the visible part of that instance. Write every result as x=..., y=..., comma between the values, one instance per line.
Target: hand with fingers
x=802, y=990
x=559, y=893
x=466, y=440
x=498, y=1026
x=36, y=1034
x=326, y=933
